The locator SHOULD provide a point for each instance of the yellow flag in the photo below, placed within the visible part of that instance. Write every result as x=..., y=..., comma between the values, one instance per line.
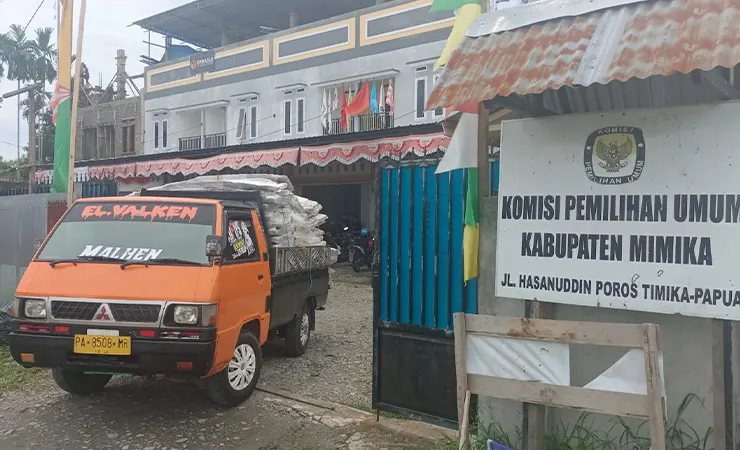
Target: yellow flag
x=465, y=16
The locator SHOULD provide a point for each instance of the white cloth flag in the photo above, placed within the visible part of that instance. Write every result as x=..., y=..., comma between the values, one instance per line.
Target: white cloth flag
x=462, y=153
x=335, y=100
x=325, y=114
x=390, y=97
x=381, y=98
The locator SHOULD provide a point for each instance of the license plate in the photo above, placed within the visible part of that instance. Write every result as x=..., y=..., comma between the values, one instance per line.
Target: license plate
x=102, y=345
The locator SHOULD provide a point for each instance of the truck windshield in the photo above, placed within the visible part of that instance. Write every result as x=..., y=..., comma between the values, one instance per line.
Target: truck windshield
x=132, y=231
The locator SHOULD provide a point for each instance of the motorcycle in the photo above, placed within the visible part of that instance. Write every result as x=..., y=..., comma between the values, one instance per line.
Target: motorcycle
x=361, y=251
x=340, y=241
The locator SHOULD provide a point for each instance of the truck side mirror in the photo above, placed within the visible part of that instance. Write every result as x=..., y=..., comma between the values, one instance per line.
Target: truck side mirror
x=214, y=246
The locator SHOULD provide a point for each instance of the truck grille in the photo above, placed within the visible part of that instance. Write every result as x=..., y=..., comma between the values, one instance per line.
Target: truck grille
x=124, y=312
x=73, y=310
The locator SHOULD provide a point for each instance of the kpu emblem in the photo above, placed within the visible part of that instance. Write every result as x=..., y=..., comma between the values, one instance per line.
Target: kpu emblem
x=614, y=155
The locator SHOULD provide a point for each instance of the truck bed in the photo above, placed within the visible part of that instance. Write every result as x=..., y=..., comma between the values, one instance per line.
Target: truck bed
x=283, y=260
x=287, y=260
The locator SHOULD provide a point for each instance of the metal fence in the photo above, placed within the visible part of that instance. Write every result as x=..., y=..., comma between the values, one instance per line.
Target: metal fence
x=23, y=219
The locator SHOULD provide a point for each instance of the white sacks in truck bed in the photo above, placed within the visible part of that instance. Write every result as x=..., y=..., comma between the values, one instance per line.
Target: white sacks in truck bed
x=292, y=221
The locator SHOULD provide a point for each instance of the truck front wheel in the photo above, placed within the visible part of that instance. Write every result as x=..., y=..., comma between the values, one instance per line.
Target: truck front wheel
x=298, y=333
x=235, y=384
x=80, y=383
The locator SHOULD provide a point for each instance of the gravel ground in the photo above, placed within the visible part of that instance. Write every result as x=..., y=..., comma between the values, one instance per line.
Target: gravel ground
x=337, y=366
x=149, y=414
x=141, y=414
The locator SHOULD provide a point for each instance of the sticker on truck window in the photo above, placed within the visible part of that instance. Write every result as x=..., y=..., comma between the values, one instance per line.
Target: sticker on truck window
x=126, y=253
x=240, y=239
x=149, y=212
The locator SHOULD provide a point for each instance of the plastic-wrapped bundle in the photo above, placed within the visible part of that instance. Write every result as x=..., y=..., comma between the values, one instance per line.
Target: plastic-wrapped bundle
x=311, y=207
x=292, y=221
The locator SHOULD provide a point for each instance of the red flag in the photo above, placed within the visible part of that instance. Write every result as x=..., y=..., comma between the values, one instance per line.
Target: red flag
x=361, y=102
x=343, y=119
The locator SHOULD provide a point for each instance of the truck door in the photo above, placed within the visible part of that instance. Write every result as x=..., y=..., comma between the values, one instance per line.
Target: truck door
x=245, y=282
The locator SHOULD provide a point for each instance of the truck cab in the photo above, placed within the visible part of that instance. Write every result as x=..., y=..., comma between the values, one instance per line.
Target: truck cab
x=164, y=284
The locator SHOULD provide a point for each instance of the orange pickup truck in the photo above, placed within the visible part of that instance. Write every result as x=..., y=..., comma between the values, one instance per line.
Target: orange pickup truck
x=178, y=283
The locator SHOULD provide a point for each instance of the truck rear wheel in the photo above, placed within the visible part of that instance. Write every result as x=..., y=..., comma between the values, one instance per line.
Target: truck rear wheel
x=80, y=383
x=235, y=384
x=298, y=333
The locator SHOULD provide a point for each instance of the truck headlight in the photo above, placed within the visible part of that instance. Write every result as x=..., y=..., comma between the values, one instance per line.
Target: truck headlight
x=34, y=308
x=185, y=315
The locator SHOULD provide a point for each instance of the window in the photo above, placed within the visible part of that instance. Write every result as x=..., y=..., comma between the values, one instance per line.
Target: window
x=129, y=236
x=164, y=134
x=300, y=106
x=156, y=134
x=129, y=137
x=253, y=122
x=287, y=106
x=108, y=146
x=241, y=125
x=246, y=128
x=439, y=112
x=421, y=98
x=242, y=240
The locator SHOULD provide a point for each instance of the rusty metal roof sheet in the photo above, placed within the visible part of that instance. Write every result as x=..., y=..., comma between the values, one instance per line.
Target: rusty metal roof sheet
x=617, y=44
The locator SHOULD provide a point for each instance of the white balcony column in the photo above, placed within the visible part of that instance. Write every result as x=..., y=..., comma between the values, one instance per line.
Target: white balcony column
x=293, y=19
x=203, y=128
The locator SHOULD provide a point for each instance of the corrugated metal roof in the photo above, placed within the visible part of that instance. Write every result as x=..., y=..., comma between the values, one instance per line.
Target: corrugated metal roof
x=617, y=44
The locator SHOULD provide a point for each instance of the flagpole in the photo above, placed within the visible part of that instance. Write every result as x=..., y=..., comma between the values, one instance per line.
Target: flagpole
x=75, y=101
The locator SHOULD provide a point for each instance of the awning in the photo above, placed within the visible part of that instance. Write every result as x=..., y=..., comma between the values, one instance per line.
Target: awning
x=172, y=163
x=619, y=43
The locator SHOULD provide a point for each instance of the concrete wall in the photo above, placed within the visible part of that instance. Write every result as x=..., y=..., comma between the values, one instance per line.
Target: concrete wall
x=686, y=343
x=215, y=120
x=271, y=88
x=399, y=40
x=118, y=113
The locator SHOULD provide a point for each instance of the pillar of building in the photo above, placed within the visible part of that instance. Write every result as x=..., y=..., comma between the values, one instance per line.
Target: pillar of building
x=120, y=74
x=294, y=19
x=203, y=128
x=167, y=48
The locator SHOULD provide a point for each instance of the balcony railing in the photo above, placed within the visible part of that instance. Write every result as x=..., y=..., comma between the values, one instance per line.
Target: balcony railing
x=217, y=140
x=368, y=122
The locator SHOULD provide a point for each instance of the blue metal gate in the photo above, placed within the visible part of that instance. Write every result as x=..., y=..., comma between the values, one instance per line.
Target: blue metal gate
x=418, y=284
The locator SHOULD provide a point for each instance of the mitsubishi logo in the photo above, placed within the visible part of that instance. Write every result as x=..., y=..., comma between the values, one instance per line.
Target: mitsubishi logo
x=104, y=314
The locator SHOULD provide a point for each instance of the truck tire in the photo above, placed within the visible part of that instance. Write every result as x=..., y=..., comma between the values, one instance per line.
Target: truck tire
x=298, y=333
x=79, y=383
x=235, y=384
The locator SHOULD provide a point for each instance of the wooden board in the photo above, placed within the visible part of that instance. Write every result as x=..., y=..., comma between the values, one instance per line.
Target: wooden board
x=602, y=402
x=611, y=334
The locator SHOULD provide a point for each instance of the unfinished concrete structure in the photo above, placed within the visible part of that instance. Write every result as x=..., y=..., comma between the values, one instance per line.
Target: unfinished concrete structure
x=110, y=123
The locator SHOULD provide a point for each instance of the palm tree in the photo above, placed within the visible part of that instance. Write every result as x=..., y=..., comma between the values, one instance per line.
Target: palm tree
x=17, y=55
x=2, y=55
x=41, y=68
x=44, y=55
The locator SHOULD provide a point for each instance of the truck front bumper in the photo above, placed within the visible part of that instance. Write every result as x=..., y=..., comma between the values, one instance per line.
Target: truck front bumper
x=148, y=357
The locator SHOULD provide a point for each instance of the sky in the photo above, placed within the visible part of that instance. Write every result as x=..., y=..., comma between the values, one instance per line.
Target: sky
x=106, y=30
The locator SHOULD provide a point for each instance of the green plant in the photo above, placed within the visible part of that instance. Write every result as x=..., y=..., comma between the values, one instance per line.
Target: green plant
x=12, y=375
x=584, y=435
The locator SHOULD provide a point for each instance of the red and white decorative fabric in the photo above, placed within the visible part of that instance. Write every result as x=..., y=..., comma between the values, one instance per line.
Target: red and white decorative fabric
x=344, y=153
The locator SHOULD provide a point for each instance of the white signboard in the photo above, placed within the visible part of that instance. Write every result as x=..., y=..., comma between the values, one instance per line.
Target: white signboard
x=636, y=210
